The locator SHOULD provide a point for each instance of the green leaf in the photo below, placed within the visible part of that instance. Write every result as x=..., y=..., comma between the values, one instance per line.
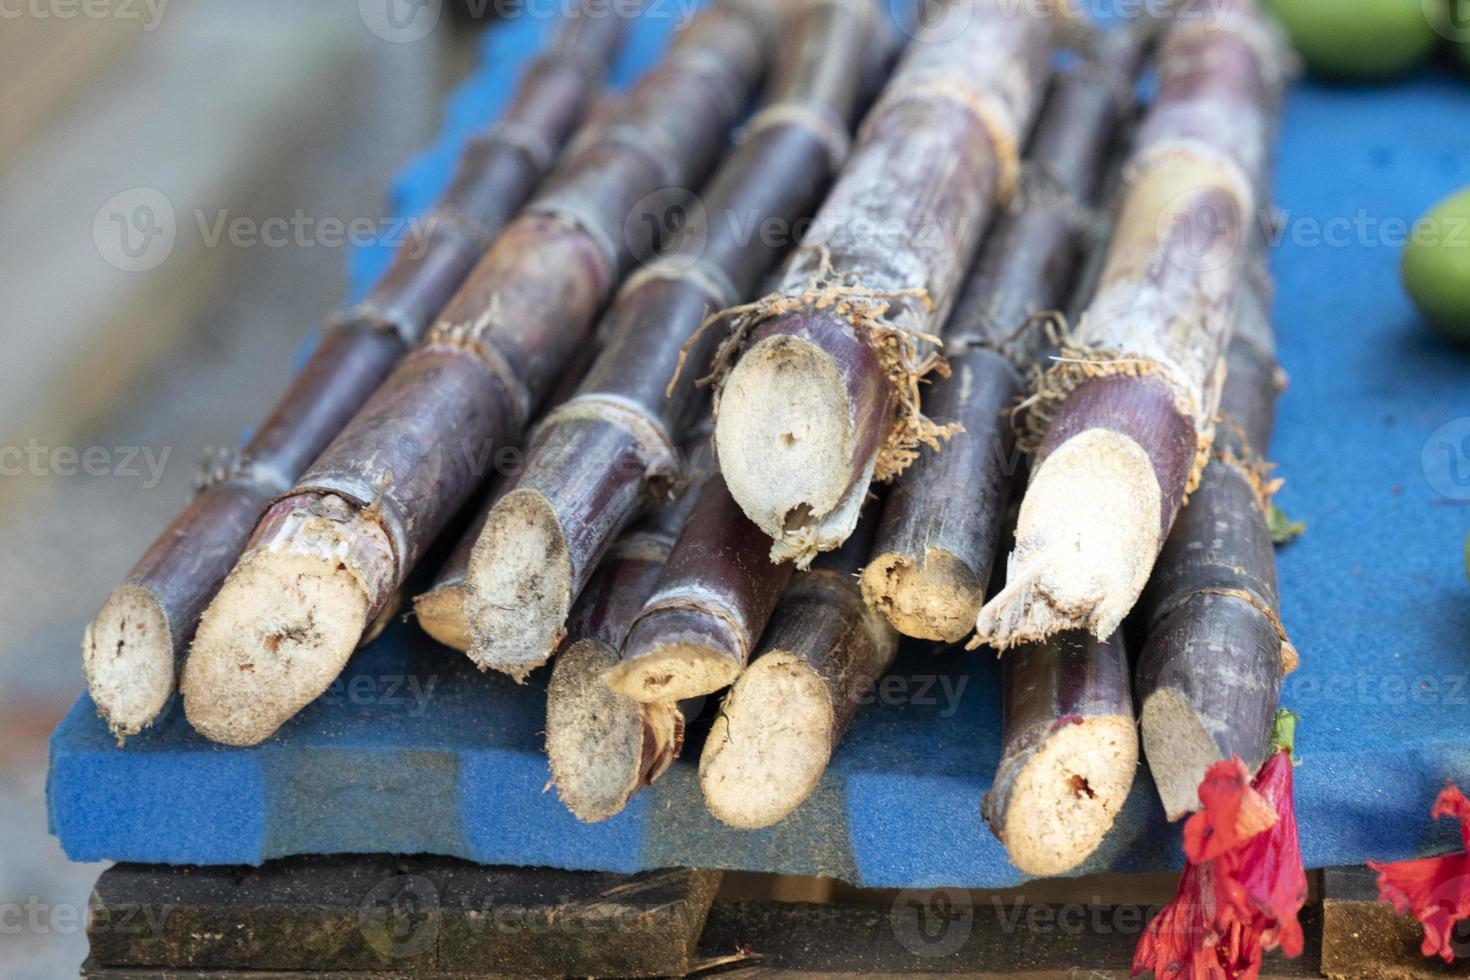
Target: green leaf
x=1283, y=731
x=1283, y=529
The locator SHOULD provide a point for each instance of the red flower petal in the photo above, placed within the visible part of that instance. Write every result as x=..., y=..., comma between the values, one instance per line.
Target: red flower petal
x=1436, y=890
x=1243, y=886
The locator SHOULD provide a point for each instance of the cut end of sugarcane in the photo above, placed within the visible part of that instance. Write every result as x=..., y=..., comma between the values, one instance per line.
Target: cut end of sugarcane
x=936, y=599
x=784, y=435
x=594, y=737
x=129, y=662
x=770, y=744
x=672, y=672
x=518, y=590
x=1086, y=540
x=280, y=631
x=440, y=612
x=1179, y=750
x=1064, y=800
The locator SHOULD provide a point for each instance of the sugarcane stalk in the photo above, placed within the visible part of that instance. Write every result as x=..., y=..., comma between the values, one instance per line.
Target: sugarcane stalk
x=825, y=396
x=1068, y=753
x=594, y=463
x=604, y=747
x=1125, y=416
x=713, y=599
x=776, y=730
x=1209, y=677
x=941, y=526
x=440, y=608
x=331, y=551
x=132, y=651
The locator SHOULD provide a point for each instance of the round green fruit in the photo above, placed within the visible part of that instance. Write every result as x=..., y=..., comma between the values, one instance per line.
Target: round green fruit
x=1360, y=38
x=1437, y=267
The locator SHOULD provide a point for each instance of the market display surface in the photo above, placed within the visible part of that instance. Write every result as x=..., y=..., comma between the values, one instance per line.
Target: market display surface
x=414, y=750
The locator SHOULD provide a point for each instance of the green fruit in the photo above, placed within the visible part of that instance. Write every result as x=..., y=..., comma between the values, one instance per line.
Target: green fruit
x=1437, y=267
x=1359, y=38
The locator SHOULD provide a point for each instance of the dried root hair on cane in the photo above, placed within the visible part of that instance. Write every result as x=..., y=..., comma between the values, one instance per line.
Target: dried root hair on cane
x=594, y=463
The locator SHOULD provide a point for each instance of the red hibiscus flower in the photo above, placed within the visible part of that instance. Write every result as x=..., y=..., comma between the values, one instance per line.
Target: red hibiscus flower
x=1243, y=886
x=1435, y=890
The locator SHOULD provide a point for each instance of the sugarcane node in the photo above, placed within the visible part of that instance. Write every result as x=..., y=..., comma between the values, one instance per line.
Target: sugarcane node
x=175, y=580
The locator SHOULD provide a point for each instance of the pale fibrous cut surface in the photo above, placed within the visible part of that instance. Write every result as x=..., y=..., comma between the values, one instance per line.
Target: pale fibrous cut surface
x=769, y=745
x=594, y=737
x=128, y=658
x=673, y=672
x=518, y=591
x=280, y=631
x=784, y=437
x=936, y=600
x=1179, y=750
x=440, y=612
x=1087, y=537
x=1064, y=800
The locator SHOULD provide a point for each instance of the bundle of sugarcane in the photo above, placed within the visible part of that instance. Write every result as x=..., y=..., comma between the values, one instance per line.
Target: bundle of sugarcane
x=594, y=462
x=818, y=659
x=604, y=746
x=1122, y=423
x=1210, y=673
x=330, y=554
x=824, y=395
x=132, y=650
x=942, y=523
x=1068, y=744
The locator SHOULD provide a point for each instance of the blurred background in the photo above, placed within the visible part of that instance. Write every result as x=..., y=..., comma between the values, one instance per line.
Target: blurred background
x=180, y=186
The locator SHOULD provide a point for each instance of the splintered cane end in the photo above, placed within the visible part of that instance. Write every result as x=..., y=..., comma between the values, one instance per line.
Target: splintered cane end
x=1088, y=534
x=770, y=743
x=1064, y=800
x=128, y=659
x=518, y=589
x=278, y=633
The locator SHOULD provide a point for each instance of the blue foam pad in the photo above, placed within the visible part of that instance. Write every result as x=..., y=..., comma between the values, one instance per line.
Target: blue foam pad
x=414, y=751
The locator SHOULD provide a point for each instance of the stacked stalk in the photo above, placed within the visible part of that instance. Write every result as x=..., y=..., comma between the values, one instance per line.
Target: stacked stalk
x=708, y=609
x=825, y=397
x=604, y=747
x=1068, y=752
x=330, y=553
x=594, y=463
x=1126, y=414
x=440, y=609
x=941, y=527
x=1210, y=673
x=776, y=730
x=132, y=651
